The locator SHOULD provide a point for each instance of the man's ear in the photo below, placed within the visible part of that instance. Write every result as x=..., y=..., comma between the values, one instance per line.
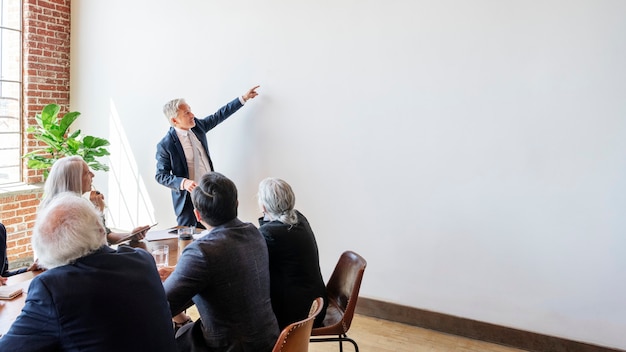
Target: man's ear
x=197, y=214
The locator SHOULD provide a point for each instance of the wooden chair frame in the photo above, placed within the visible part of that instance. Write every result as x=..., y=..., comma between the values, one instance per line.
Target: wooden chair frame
x=295, y=336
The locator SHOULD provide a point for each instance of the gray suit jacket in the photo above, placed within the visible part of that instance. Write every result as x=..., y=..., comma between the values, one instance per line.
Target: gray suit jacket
x=226, y=274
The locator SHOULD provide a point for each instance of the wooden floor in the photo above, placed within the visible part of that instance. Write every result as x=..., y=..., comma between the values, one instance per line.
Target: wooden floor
x=379, y=335
x=372, y=334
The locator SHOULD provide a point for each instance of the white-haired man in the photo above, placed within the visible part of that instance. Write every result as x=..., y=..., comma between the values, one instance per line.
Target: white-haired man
x=92, y=297
x=183, y=154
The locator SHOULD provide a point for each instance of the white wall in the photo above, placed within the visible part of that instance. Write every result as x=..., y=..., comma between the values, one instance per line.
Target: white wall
x=473, y=152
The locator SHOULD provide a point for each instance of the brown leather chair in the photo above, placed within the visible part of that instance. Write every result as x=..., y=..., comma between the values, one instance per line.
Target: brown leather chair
x=295, y=336
x=343, y=291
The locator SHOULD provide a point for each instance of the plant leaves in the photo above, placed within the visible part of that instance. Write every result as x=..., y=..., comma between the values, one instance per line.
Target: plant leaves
x=52, y=131
x=94, y=142
x=67, y=120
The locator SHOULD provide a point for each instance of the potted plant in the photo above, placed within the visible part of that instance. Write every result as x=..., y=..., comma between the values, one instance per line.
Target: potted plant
x=54, y=133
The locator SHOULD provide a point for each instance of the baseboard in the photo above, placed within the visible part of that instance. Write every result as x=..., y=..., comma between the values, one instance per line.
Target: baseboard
x=477, y=330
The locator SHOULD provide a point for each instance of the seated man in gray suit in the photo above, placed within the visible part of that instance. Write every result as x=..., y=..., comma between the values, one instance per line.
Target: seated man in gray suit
x=92, y=297
x=226, y=274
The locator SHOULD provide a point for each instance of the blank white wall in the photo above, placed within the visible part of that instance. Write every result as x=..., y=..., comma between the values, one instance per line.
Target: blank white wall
x=473, y=152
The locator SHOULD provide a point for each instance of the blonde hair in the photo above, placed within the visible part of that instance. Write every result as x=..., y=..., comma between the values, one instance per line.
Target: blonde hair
x=66, y=175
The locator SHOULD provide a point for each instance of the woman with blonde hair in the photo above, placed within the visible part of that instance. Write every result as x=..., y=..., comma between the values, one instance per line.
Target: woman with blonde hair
x=72, y=174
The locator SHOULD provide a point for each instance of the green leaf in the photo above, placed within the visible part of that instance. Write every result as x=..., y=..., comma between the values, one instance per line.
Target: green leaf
x=52, y=131
x=94, y=142
x=67, y=120
x=98, y=166
x=75, y=134
x=38, y=164
x=49, y=115
x=73, y=145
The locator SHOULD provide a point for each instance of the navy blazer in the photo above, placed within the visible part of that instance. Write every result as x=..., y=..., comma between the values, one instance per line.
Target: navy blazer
x=109, y=300
x=171, y=161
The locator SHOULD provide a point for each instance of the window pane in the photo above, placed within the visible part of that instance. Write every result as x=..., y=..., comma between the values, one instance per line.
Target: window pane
x=10, y=107
x=10, y=137
x=10, y=91
x=10, y=53
x=9, y=141
x=11, y=13
x=10, y=166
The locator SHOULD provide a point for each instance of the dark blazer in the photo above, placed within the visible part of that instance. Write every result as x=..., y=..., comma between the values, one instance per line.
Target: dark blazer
x=226, y=274
x=109, y=300
x=172, y=165
x=4, y=261
x=295, y=276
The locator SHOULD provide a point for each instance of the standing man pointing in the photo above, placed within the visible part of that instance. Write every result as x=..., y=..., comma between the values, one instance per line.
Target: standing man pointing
x=183, y=154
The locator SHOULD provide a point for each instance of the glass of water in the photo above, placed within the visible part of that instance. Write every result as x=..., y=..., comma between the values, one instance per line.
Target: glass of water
x=161, y=254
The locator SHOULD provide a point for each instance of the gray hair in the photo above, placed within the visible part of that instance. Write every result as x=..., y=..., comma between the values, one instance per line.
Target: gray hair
x=68, y=228
x=278, y=199
x=170, y=110
x=66, y=175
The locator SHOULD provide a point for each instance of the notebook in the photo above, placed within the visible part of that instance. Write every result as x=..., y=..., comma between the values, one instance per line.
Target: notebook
x=10, y=292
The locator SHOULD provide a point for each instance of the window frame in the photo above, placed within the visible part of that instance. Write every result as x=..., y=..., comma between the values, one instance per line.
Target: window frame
x=11, y=103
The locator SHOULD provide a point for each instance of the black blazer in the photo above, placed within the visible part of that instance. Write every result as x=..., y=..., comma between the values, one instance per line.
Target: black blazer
x=4, y=261
x=295, y=276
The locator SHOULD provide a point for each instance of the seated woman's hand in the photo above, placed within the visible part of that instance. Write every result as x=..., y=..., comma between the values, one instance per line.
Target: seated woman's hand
x=140, y=232
x=35, y=266
x=97, y=199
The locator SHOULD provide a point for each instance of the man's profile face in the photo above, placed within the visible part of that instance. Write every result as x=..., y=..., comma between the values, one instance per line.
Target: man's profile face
x=184, y=118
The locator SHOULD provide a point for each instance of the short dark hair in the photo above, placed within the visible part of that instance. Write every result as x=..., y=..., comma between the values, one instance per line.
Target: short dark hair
x=215, y=198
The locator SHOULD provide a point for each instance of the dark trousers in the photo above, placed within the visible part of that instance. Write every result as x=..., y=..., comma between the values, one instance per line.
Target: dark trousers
x=187, y=217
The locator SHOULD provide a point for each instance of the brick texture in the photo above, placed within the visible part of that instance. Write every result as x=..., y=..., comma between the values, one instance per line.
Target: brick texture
x=46, y=77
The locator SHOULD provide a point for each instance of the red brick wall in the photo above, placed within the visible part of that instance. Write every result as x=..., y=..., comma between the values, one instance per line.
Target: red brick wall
x=46, y=77
x=17, y=213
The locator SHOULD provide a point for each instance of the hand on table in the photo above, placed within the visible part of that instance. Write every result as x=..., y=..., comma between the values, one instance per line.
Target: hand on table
x=35, y=266
x=165, y=272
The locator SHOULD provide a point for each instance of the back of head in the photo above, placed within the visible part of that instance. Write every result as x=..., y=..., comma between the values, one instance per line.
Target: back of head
x=66, y=175
x=170, y=109
x=68, y=228
x=215, y=198
x=278, y=199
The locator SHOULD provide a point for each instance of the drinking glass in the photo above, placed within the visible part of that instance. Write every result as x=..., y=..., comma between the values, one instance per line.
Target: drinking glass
x=161, y=254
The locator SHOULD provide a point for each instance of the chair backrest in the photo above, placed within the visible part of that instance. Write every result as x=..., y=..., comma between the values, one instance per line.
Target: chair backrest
x=295, y=336
x=344, y=285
